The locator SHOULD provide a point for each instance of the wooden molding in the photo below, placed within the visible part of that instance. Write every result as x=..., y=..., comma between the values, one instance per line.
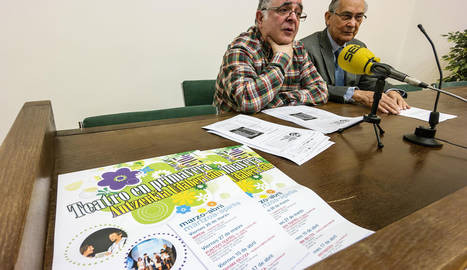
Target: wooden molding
x=26, y=157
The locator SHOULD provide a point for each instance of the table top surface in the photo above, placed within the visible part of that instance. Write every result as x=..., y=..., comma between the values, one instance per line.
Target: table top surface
x=371, y=187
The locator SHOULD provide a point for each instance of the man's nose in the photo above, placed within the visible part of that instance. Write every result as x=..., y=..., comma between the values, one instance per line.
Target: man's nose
x=353, y=22
x=293, y=16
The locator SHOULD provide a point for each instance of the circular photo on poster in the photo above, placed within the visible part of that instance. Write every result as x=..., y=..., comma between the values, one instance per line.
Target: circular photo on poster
x=103, y=243
x=154, y=253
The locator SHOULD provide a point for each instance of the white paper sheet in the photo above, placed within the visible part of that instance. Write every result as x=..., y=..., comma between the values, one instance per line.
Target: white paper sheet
x=424, y=115
x=296, y=144
x=313, y=118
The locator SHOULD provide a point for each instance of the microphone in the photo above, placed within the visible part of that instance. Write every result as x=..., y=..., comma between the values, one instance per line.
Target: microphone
x=360, y=60
x=426, y=136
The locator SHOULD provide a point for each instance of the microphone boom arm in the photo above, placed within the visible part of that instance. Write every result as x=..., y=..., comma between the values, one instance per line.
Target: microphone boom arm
x=385, y=70
x=446, y=93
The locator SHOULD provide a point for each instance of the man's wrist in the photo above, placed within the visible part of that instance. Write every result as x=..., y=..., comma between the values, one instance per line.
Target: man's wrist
x=348, y=96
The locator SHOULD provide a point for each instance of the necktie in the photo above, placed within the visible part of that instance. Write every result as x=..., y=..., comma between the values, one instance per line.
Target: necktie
x=339, y=71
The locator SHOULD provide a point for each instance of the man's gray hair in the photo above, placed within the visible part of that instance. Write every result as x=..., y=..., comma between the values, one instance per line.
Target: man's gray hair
x=335, y=4
x=264, y=4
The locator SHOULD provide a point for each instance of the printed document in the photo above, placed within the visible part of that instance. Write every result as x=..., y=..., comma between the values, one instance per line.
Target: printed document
x=302, y=214
x=296, y=144
x=172, y=212
x=225, y=208
x=313, y=118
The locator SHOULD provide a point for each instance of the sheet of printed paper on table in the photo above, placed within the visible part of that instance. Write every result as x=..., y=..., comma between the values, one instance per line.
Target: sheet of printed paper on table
x=172, y=210
x=296, y=144
x=313, y=118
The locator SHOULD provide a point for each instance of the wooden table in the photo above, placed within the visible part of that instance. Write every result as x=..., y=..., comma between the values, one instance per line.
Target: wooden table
x=415, y=197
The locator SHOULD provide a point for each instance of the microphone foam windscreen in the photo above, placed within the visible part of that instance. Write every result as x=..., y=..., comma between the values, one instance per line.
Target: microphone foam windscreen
x=356, y=59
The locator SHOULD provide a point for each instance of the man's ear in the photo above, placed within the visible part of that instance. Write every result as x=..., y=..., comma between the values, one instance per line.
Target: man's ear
x=327, y=17
x=259, y=17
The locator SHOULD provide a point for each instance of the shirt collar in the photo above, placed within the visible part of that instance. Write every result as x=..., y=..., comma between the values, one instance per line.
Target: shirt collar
x=334, y=45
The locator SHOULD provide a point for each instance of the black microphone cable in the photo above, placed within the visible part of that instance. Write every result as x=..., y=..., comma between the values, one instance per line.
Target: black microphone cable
x=451, y=143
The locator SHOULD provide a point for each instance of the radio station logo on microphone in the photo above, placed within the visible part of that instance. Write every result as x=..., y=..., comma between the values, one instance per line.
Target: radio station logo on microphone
x=350, y=52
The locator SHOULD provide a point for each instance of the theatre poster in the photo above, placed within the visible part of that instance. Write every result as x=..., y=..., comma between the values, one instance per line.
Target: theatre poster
x=225, y=208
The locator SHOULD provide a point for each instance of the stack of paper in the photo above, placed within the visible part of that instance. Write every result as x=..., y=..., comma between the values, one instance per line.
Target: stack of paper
x=224, y=208
x=313, y=118
x=296, y=144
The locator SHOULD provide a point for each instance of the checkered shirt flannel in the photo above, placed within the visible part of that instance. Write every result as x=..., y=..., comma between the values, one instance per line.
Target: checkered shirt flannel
x=253, y=78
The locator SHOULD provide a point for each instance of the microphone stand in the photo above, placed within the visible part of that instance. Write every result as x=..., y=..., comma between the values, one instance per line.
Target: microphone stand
x=426, y=135
x=372, y=117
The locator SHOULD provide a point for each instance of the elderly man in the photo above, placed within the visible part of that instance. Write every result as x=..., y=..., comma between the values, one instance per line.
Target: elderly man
x=343, y=20
x=265, y=68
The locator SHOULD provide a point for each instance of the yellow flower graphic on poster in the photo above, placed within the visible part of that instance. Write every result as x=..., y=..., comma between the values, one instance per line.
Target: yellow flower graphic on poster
x=188, y=197
x=249, y=186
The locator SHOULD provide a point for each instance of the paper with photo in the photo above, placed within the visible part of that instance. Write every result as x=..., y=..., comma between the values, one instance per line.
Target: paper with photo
x=424, y=115
x=313, y=118
x=296, y=144
x=174, y=207
x=109, y=217
x=311, y=148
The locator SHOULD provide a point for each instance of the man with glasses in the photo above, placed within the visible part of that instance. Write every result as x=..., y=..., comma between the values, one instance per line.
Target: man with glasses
x=343, y=20
x=265, y=68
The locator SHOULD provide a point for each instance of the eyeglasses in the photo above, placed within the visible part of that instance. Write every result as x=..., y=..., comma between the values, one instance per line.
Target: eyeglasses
x=346, y=16
x=286, y=10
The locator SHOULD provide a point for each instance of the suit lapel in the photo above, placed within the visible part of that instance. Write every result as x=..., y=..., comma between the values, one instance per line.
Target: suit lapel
x=328, y=56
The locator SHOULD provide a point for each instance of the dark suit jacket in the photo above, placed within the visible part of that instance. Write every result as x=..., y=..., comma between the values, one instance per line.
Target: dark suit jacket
x=320, y=50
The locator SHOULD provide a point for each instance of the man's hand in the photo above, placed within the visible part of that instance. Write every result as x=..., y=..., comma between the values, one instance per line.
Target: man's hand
x=389, y=103
x=287, y=49
x=399, y=100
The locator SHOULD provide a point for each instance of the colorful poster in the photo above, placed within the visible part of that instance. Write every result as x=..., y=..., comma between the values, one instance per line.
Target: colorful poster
x=297, y=209
x=171, y=212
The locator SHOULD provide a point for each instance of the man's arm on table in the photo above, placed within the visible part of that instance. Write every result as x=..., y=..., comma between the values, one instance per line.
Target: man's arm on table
x=360, y=84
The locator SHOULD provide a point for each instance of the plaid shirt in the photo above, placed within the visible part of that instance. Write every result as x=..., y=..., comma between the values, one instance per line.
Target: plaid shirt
x=252, y=77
